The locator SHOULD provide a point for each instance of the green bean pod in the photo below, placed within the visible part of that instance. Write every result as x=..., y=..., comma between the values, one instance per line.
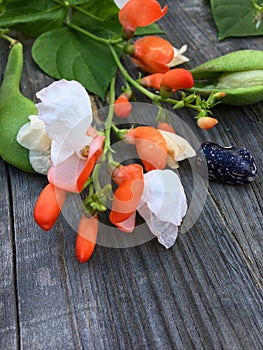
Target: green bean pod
x=239, y=74
x=14, y=111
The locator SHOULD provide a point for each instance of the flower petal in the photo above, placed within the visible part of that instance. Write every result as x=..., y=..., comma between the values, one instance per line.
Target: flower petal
x=72, y=174
x=120, y=3
x=138, y=13
x=178, y=148
x=126, y=225
x=40, y=161
x=95, y=151
x=65, y=174
x=150, y=145
x=178, y=57
x=33, y=136
x=163, y=204
x=65, y=106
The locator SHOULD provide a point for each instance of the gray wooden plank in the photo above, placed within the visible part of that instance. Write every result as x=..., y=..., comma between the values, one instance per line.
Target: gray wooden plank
x=8, y=314
x=204, y=293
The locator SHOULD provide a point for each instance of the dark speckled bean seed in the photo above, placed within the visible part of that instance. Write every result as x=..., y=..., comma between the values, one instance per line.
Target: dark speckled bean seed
x=230, y=165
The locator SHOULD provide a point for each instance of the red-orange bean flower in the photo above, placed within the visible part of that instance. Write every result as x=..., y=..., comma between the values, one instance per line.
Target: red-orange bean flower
x=155, y=55
x=138, y=13
x=86, y=237
x=48, y=206
x=150, y=145
x=152, y=81
x=127, y=196
x=156, y=148
x=178, y=78
x=122, y=106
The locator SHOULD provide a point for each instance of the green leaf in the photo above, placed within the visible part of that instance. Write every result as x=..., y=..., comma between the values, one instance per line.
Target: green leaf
x=150, y=29
x=34, y=17
x=64, y=54
x=235, y=18
x=100, y=9
x=97, y=21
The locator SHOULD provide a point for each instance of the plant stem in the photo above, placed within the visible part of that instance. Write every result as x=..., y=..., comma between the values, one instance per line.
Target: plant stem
x=93, y=36
x=95, y=177
x=108, y=121
x=133, y=82
x=8, y=38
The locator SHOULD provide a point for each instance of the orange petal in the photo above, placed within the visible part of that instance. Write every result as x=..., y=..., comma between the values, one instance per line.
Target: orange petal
x=152, y=81
x=95, y=151
x=137, y=13
x=86, y=238
x=48, y=206
x=122, y=107
x=128, y=194
x=152, y=54
x=151, y=146
x=178, y=78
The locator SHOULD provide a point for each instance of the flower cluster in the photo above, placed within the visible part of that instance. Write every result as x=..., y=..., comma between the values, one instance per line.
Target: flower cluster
x=65, y=145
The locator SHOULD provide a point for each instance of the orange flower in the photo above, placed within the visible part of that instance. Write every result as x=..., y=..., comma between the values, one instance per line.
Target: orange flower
x=207, y=122
x=127, y=196
x=86, y=237
x=152, y=81
x=153, y=54
x=138, y=13
x=178, y=78
x=165, y=126
x=48, y=206
x=122, y=106
x=150, y=145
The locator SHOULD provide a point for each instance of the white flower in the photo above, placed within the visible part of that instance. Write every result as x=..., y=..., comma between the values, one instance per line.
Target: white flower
x=120, y=3
x=163, y=204
x=178, y=56
x=65, y=108
x=33, y=136
x=178, y=148
x=60, y=131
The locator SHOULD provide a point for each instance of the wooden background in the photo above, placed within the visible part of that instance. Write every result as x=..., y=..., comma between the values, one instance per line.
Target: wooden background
x=203, y=293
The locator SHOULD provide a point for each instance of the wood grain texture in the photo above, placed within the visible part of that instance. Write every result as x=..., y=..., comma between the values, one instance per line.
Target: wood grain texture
x=203, y=293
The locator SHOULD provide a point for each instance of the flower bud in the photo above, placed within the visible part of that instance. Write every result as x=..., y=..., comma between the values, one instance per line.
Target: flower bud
x=152, y=81
x=176, y=79
x=122, y=106
x=207, y=123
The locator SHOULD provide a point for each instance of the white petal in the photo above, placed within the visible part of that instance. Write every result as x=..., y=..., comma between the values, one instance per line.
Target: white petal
x=178, y=148
x=60, y=154
x=64, y=104
x=40, y=161
x=163, y=204
x=33, y=136
x=120, y=3
x=65, y=175
x=178, y=57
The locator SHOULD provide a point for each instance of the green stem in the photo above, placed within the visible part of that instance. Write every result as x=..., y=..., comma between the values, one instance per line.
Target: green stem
x=8, y=38
x=88, y=34
x=95, y=177
x=133, y=82
x=87, y=13
x=95, y=37
x=108, y=122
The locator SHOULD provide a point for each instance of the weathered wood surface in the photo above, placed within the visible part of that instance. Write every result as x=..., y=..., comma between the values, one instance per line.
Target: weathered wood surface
x=203, y=293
